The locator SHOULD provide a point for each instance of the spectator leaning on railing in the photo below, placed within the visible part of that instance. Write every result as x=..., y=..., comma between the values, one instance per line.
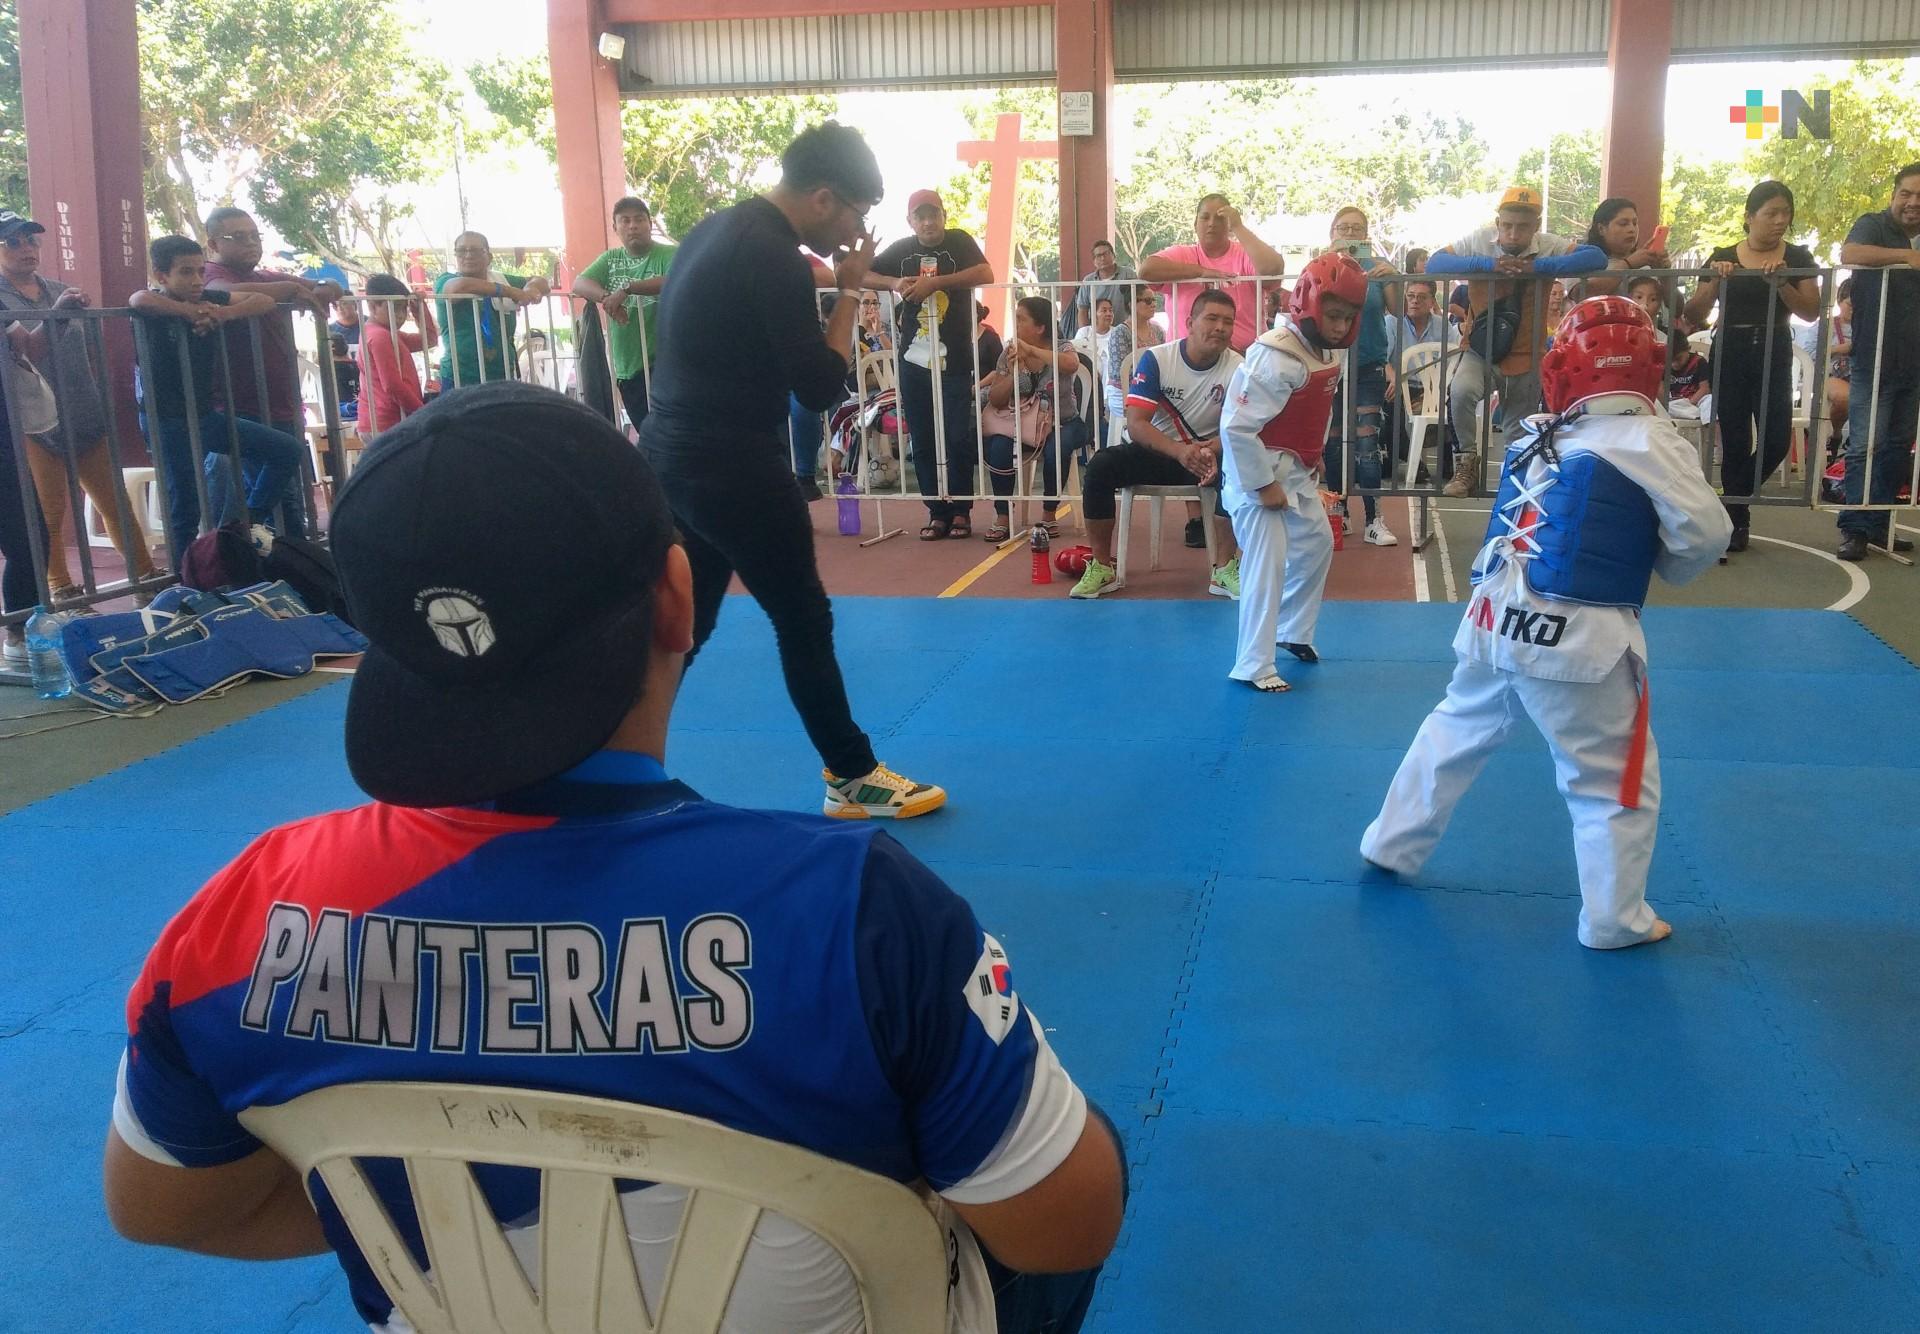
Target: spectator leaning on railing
x=1753, y=343
x=234, y=266
x=480, y=334
x=1616, y=231
x=1224, y=248
x=1503, y=325
x=627, y=280
x=56, y=349
x=1884, y=250
x=180, y=309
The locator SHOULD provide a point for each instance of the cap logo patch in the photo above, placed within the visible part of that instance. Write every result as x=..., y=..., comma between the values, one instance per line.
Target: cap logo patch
x=457, y=620
x=1613, y=361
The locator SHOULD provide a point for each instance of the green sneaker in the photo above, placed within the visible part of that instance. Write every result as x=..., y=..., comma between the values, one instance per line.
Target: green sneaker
x=1225, y=581
x=1098, y=579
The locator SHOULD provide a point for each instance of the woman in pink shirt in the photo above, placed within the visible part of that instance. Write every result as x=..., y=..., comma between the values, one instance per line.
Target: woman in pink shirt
x=1224, y=249
x=390, y=388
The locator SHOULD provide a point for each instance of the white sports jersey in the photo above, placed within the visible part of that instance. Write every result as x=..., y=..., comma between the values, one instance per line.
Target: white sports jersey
x=1186, y=399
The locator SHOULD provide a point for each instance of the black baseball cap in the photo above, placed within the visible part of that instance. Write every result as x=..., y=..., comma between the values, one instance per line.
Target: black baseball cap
x=12, y=225
x=499, y=549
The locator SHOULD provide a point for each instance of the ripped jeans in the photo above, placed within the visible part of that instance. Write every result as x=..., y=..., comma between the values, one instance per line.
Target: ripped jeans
x=1370, y=398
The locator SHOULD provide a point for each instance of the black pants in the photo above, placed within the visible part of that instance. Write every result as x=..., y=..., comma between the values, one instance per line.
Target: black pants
x=746, y=517
x=18, y=520
x=1128, y=465
x=633, y=393
x=1739, y=398
x=956, y=405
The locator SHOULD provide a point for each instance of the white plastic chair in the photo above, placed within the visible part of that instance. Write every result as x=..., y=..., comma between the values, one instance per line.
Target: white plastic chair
x=143, y=503
x=1036, y=459
x=1808, y=389
x=1427, y=377
x=886, y=373
x=586, y=1281
x=1208, y=496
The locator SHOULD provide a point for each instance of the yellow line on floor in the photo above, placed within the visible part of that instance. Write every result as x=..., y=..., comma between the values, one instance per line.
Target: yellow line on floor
x=967, y=580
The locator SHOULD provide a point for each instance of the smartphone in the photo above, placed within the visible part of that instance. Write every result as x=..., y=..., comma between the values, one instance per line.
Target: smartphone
x=1659, y=241
x=1360, y=250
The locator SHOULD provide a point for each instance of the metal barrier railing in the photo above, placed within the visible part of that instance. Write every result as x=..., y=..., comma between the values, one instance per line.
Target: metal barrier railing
x=478, y=338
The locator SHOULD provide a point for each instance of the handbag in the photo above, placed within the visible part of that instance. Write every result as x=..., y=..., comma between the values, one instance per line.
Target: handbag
x=1493, y=333
x=1033, y=427
x=31, y=399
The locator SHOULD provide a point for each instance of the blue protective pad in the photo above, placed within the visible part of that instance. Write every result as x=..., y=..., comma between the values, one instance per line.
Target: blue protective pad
x=235, y=642
x=276, y=597
x=84, y=638
x=119, y=692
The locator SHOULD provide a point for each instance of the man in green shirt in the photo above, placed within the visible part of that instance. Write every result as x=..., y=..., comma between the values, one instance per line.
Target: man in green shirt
x=623, y=280
x=461, y=360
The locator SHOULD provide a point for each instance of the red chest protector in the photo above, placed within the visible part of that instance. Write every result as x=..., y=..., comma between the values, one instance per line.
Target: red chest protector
x=1300, y=427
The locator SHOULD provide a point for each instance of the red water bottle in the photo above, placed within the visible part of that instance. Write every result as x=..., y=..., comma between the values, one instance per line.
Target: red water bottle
x=1042, y=555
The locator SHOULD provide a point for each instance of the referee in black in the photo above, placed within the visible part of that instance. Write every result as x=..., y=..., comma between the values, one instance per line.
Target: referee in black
x=738, y=333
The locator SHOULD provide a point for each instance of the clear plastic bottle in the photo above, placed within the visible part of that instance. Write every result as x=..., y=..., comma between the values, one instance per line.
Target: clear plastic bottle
x=49, y=669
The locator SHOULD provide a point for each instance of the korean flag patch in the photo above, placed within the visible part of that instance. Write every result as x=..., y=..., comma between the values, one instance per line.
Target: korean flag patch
x=990, y=991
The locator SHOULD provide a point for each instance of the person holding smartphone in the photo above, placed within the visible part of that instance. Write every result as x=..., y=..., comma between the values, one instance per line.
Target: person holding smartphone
x=1616, y=230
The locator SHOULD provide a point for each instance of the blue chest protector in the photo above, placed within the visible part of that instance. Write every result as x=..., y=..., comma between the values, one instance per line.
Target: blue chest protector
x=1589, y=535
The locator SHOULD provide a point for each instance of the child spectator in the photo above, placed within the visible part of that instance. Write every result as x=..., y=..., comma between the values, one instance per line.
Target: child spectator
x=392, y=380
x=181, y=310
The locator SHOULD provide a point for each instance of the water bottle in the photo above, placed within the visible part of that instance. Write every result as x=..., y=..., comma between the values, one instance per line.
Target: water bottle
x=49, y=669
x=1042, y=555
x=849, y=502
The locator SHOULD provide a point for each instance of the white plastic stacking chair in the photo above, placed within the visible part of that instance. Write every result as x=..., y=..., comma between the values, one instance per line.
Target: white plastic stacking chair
x=1036, y=459
x=1208, y=496
x=143, y=503
x=1426, y=377
x=585, y=1280
x=1808, y=390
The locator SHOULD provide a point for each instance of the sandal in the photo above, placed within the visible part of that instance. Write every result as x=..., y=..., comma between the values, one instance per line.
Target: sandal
x=934, y=531
x=960, y=525
x=997, y=534
x=1052, y=527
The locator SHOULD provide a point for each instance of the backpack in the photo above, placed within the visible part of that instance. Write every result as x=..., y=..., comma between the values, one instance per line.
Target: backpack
x=228, y=557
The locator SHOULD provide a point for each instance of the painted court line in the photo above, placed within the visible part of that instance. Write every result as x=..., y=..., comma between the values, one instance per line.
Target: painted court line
x=967, y=580
x=1858, y=585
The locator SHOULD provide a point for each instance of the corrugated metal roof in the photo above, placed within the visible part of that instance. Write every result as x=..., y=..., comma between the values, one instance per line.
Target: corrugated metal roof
x=1756, y=29
x=918, y=49
x=1161, y=39
x=1187, y=39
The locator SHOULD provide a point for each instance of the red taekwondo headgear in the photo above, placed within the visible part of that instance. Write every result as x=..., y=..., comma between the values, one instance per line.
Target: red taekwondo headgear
x=1605, y=345
x=1335, y=273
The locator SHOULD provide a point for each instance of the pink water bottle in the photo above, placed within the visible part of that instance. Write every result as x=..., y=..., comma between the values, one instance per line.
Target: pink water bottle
x=849, y=500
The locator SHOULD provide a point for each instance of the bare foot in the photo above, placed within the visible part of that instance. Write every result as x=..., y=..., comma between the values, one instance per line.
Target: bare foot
x=1269, y=685
x=1661, y=930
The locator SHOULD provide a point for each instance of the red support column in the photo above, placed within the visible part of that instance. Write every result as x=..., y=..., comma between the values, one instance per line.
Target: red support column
x=586, y=124
x=80, y=95
x=1639, y=49
x=1083, y=56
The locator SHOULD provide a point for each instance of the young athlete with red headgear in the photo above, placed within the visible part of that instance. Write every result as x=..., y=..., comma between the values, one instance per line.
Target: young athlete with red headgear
x=1596, y=498
x=1273, y=432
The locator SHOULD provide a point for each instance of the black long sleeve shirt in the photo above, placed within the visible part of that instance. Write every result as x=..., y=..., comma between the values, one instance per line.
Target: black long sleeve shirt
x=739, y=331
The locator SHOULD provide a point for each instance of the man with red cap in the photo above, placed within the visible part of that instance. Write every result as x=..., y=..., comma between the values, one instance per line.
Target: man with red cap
x=1597, y=496
x=1274, y=431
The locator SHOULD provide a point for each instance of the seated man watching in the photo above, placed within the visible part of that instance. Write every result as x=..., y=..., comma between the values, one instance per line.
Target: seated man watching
x=514, y=563
x=1173, y=427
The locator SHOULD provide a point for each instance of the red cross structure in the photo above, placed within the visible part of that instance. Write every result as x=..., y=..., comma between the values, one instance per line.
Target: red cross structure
x=1003, y=154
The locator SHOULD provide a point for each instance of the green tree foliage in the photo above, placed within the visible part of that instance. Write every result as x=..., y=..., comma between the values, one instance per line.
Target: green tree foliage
x=1876, y=131
x=13, y=127
x=518, y=92
x=1036, y=217
x=1701, y=204
x=1573, y=188
x=693, y=156
x=314, y=108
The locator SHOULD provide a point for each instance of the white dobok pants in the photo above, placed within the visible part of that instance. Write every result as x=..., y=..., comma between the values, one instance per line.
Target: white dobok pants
x=1284, y=558
x=1590, y=728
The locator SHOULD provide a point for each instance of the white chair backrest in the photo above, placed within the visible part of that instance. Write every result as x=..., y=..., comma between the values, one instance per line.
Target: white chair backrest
x=585, y=1281
x=886, y=374
x=1803, y=380
x=1426, y=358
